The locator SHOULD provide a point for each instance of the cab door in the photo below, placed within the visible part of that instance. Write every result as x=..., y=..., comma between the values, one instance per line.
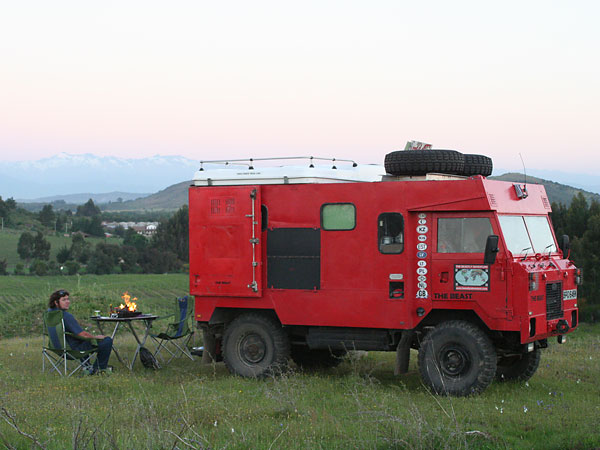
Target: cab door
x=460, y=279
x=225, y=246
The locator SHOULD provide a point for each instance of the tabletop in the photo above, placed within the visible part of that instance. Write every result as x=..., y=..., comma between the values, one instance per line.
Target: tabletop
x=124, y=319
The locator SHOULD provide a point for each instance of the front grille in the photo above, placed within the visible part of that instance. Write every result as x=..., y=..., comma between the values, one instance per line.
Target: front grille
x=554, y=301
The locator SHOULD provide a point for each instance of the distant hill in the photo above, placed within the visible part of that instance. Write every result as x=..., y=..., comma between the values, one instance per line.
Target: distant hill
x=557, y=192
x=173, y=197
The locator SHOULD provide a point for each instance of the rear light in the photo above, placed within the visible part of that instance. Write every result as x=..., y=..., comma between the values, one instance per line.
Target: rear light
x=578, y=277
x=534, y=282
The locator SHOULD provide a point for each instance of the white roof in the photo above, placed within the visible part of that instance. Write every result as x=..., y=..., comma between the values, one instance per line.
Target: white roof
x=240, y=175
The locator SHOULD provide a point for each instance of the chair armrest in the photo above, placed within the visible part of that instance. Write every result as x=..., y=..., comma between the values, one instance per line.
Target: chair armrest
x=93, y=341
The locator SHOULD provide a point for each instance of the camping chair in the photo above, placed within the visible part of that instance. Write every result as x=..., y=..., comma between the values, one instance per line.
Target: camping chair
x=58, y=352
x=178, y=333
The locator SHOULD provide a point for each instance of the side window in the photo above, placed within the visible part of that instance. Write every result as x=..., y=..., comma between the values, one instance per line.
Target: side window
x=463, y=235
x=390, y=233
x=338, y=216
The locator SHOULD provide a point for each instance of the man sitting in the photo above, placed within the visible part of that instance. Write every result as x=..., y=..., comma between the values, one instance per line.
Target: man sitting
x=60, y=300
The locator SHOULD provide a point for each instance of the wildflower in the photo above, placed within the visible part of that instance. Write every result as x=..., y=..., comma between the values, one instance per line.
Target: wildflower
x=232, y=430
x=215, y=423
x=525, y=409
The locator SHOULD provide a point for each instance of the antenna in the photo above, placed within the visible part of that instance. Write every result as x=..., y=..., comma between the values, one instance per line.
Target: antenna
x=524, y=172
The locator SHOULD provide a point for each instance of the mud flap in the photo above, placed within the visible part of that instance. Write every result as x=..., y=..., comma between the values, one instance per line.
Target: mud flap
x=403, y=352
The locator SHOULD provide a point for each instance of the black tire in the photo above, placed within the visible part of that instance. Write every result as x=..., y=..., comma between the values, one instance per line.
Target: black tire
x=518, y=367
x=316, y=359
x=421, y=162
x=478, y=165
x=255, y=345
x=457, y=358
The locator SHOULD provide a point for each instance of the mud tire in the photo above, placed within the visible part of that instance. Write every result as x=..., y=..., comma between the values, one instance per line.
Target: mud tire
x=255, y=346
x=421, y=162
x=457, y=358
x=478, y=165
x=518, y=368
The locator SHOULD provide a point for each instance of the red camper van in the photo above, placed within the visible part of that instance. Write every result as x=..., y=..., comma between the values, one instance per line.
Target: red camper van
x=312, y=261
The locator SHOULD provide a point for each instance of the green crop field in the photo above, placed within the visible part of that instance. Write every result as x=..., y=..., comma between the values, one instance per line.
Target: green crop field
x=186, y=405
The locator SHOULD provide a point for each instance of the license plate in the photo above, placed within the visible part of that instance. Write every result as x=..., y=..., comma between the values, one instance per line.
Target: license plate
x=570, y=294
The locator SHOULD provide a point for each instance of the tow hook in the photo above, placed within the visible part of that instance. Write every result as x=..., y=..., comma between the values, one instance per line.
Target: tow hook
x=562, y=326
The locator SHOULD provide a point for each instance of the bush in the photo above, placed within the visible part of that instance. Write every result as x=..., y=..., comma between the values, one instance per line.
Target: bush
x=3, y=265
x=72, y=267
x=19, y=269
x=38, y=268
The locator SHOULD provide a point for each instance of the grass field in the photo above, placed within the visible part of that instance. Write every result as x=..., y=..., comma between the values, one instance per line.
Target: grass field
x=359, y=404
x=9, y=239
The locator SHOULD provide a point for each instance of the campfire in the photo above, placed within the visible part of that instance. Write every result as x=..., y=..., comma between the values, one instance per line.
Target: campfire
x=128, y=308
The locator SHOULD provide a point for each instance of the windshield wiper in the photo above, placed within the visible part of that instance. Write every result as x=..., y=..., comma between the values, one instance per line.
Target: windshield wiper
x=525, y=255
x=549, y=251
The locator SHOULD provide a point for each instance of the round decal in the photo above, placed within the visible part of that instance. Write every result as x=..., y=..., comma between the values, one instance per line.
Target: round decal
x=422, y=278
x=421, y=246
x=421, y=271
x=421, y=263
x=422, y=293
x=422, y=229
x=422, y=237
x=422, y=221
x=422, y=285
x=421, y=254
x=422, y=215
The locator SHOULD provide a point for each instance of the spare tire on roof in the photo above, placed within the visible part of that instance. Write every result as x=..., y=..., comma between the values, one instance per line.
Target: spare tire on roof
x=478, y=165
x=421, y=162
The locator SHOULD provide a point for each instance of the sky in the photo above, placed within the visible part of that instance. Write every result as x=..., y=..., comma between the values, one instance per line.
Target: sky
x=346, y=79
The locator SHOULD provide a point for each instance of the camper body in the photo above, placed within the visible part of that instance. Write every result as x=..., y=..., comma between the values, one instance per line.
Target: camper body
x=467, y=270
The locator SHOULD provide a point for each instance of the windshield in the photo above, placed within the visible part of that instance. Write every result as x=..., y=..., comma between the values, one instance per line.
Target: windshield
x=527, y=234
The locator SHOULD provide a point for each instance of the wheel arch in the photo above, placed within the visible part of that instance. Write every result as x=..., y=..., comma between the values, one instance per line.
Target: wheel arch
x=223, y=316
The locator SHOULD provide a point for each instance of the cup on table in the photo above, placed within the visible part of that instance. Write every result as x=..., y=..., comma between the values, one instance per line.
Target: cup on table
x=97, y=313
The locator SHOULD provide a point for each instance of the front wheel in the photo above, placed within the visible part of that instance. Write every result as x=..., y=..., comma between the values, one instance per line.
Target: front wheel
x=457, y=358
x=255, y=345
x=518, y=367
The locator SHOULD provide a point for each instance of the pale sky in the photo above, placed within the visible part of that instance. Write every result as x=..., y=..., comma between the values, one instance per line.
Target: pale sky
x=345, y=79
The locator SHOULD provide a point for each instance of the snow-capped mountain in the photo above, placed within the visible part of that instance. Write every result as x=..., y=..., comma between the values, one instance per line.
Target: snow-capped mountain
x=67, y=174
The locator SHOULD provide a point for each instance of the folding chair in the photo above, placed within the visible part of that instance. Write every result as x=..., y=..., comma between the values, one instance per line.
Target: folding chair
x=58, y=352
x=178, y=333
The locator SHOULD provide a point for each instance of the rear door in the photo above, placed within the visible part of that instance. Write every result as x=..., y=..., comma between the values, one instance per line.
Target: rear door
x=225, y=247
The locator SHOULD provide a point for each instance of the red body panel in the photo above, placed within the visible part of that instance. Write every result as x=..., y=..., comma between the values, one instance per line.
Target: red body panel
x=355, y=277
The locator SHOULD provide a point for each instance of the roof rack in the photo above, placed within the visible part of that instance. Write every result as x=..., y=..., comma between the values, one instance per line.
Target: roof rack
x=250, y=161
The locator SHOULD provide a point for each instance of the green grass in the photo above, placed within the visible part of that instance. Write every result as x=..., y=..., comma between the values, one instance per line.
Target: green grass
x=9, y=239
x=359, y=404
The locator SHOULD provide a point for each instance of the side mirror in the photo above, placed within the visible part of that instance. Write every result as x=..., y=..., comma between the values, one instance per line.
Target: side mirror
x=491, y=249
x=565, y=245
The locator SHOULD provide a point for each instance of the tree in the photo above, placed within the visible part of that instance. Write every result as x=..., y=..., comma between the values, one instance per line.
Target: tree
x=38, y=268
x=6, y=207
x=41, y=247
x=578, y=215
x=25, y=246
x=134, y=239
x=172, y=235
x=3, y=266
x=47, y=216
x=63, y=254
x=88, y=209
x=80, y=249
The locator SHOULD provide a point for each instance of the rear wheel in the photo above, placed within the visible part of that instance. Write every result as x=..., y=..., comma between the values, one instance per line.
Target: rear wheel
x=457, y=358
x=421, y=162
x=315, y=359
x=255, y=345
x=518, y=367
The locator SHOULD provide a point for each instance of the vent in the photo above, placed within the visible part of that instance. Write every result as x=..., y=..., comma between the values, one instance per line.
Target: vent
x=546, y=203
x=554, y=301
x=492, y=199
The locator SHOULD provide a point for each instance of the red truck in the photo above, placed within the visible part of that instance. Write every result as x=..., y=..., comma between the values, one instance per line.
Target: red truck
x=311, y=262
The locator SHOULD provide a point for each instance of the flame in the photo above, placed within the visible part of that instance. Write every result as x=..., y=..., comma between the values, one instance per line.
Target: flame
x=129, y=305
